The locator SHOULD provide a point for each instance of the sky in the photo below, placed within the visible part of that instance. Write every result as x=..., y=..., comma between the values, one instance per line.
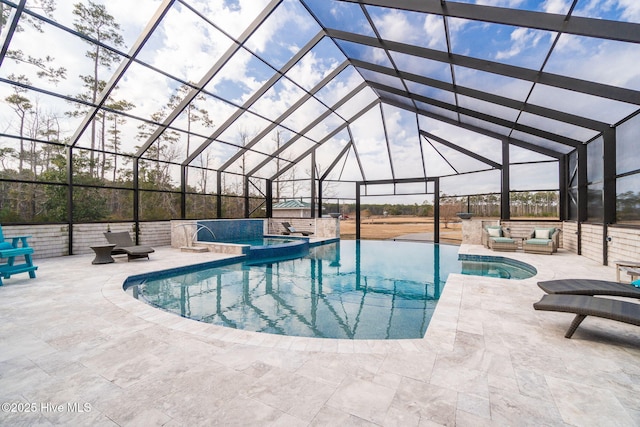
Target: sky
x=192, y=41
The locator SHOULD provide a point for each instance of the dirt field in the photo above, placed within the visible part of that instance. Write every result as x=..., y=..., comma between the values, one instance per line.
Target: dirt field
x=395, y=226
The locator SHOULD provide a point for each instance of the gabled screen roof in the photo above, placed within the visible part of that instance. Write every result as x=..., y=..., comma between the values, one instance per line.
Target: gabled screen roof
x=255, y=87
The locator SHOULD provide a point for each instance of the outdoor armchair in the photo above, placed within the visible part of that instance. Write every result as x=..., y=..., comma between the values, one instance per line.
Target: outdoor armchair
x=542, y=241
x=498, y=238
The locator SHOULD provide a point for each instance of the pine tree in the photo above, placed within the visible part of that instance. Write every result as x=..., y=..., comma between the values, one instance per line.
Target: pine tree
x=95, y=22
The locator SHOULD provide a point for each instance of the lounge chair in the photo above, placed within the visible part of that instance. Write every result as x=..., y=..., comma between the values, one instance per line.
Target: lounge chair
x=289, y=229
x=542, y=241
x=589, y=287
x=498, y=238
x=124, y=245
x=16, y=248
x=585, y=305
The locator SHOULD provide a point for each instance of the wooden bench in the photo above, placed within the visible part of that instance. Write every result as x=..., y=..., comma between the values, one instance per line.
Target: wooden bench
x=10, y=267
x=624, y=266
x=634, y=272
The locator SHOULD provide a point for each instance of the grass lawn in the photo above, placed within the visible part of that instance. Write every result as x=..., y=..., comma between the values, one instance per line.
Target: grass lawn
x=389, y=227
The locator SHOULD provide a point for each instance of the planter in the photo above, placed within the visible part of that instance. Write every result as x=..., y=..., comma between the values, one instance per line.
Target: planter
x=464, y=215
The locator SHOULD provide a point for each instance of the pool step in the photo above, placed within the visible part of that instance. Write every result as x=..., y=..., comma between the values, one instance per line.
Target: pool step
x=196, y=249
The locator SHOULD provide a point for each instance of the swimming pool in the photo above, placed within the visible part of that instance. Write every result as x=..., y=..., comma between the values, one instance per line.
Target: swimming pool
x=349, y=290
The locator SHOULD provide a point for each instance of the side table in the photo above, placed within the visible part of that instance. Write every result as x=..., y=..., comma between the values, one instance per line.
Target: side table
x=103, y=254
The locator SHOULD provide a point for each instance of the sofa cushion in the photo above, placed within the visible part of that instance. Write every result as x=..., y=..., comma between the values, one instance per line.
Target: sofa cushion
x=494, y=231
x=541, y=233
x=502, y=240
x=538, y=242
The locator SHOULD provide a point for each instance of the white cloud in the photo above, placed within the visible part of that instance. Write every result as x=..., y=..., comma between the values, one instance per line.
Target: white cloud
x=189, y=46
x=625, y=10
x=603, y=61
x=556, y=6
x=369, y=138
x=283, y=20
x=311, y=69
x=395, y=26
x=522, y=39
x=630, y=10
x=594, y=8
x=434, y=27
x=376, y=55
x=569, y=44
x=232, y=20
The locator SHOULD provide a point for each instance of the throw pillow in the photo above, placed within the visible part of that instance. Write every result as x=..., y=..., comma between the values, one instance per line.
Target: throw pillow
x=542, y=233
x=5, y=245
x=636, y=283
x=494, y=232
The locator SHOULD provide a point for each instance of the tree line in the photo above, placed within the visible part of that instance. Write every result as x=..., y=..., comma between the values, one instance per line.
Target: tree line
x=532, y=204
x=103, y=178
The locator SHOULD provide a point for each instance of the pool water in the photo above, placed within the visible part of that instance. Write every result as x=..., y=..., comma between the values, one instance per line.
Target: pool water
x=495, y=266
x=348, y=290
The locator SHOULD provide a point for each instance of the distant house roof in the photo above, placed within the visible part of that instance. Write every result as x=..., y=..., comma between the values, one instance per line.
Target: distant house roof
x=292, y=204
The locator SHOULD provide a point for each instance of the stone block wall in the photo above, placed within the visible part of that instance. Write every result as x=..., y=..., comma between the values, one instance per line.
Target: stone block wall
x=182, y=233
x=570, y=236
x=48, y=240
x=157, y=233
x=624, y=244
x=87, y=235
x=52, y=240
x=591, y=240
x=327, y=227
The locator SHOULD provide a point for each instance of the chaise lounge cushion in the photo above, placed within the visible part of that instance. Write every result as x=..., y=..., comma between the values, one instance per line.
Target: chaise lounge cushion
x=589, y=287
x=137, y=250
x=289, y=229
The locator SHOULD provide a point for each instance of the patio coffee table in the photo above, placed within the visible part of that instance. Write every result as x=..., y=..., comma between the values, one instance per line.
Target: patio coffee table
x=103, y=254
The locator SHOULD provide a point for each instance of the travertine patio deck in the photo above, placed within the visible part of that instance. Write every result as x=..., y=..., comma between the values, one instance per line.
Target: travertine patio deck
x=80, y=351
